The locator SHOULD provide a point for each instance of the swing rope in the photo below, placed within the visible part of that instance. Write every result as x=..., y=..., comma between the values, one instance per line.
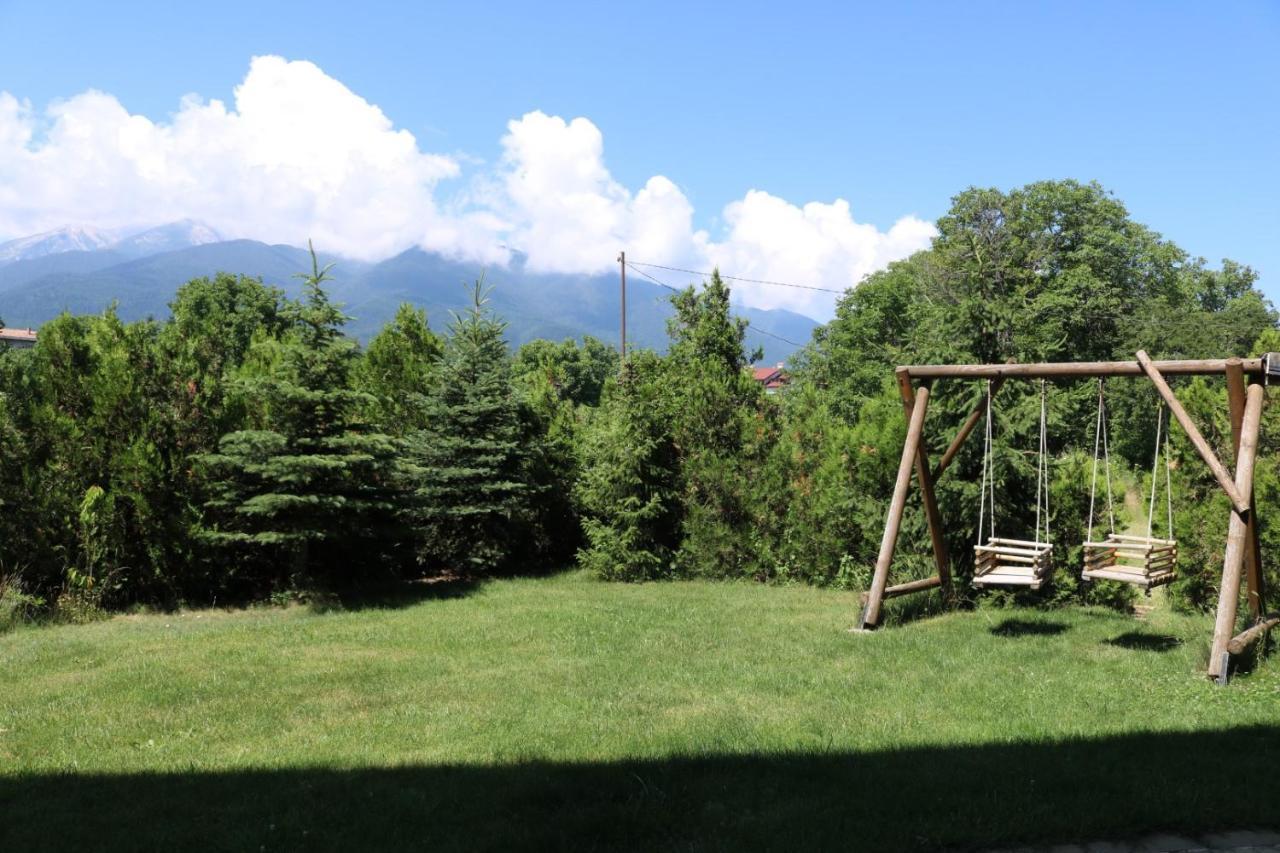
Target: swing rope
x=1042, y=467
x=987, y=495
x=1100, y=442
x=1155, y=477
x=987, y=476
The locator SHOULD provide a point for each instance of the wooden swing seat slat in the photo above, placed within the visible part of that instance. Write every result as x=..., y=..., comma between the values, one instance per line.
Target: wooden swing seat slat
x=1139, y=560
x=1008, y=551
x=1130, y=566
x=1012, y=562
x=1006, y=579
x=1129, y=537
x=1001, y=540
x=1146, y=580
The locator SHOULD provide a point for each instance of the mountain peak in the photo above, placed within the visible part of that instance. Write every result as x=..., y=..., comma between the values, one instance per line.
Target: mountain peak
x=69, y=238
x=168, y=238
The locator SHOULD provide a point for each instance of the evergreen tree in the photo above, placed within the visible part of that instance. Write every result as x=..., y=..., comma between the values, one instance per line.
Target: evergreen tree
x=467, y=463
x=629, y=485
x=312, y=472
x=723, y=427
x=396, y=367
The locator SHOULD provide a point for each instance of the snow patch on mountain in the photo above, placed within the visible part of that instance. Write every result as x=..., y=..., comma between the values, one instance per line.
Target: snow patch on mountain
x=69, y=238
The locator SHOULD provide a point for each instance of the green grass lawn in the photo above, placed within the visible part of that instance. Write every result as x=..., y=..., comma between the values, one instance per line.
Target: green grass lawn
x=569, y=713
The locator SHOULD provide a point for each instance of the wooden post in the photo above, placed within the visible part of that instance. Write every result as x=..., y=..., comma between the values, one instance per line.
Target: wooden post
x=622, y=324
x=1253, y=551
x=979, y=411
x=1237, y=536
x=1238, y=500
x=1248, y=637
x=925, y=478
x=875, y=597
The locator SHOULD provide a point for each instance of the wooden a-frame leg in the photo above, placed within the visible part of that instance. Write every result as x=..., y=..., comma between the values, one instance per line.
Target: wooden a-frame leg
x=1253, y=552
x=924, y=477
x=1237, y=537
x=875, y=596
x=1238, y=500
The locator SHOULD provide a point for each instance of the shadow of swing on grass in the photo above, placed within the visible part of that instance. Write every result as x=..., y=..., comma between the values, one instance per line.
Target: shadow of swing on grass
x=904, y=798
x=1145, y=642
x=1028, y=628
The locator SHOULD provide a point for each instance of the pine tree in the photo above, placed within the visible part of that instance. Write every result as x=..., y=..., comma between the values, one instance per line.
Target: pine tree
x=312, y=473
x=471, y=496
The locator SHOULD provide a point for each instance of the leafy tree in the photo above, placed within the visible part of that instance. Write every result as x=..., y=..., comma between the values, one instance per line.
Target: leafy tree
x=577, y=372
x=214, y=322
x=396, y=369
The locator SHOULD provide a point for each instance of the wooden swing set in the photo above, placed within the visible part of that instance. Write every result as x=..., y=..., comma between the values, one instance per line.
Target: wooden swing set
x=1144, y=561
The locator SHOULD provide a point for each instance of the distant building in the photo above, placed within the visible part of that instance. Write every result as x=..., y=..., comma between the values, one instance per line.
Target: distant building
x=774, y=379
x=18, y=338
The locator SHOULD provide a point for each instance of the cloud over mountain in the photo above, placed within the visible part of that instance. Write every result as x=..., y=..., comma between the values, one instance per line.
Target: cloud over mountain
x=299, y=155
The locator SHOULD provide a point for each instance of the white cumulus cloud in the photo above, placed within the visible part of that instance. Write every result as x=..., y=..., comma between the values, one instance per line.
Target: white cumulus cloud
x=564, y=209
x=298, y=155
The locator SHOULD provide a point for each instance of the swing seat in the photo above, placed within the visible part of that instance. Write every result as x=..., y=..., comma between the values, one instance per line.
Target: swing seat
x=1012, y=562
x=1138, y=560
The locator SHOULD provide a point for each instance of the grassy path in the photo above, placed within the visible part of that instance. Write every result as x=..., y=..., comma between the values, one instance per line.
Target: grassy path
x=567, y=712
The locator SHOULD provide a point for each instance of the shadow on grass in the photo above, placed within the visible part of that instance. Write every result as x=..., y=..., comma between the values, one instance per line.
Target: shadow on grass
x=394, y=595
x=1144, y=642
x=1027, y=628
x=917, y=798
x=915, y=608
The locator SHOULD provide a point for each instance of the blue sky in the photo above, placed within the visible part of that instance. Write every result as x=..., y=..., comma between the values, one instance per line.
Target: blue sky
x=894, y=107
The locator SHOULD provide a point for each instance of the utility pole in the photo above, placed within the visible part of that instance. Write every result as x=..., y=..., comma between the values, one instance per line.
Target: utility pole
x=622, y=265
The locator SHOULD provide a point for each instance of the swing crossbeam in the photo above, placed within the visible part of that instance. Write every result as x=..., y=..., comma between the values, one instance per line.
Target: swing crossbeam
x=1085, y=369
x=1245, y=386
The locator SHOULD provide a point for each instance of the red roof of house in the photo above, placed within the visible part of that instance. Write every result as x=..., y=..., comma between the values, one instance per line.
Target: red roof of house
x=771, y=378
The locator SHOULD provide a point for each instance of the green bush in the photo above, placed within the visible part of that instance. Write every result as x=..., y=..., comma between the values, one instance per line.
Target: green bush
x=17, y=607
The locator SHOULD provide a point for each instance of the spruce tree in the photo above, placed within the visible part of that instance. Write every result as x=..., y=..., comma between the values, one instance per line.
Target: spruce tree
x=467, y=464
x=311, y=473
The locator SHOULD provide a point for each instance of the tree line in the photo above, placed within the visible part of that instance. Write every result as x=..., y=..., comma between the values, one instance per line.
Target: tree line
x=245, y=446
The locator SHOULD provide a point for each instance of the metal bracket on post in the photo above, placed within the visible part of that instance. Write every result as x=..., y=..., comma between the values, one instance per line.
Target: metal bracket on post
x=862, y=627
x=1225, y=675
x=1270, y=367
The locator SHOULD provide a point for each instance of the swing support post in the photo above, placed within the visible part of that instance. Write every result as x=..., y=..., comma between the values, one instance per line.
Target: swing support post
x=1237, y=538
x=924, y=477
x=1242, y=560
x=1253, y=552
x=879, y=580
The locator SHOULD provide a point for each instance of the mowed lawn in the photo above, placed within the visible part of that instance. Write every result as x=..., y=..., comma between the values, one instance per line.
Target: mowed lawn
x=570, y=713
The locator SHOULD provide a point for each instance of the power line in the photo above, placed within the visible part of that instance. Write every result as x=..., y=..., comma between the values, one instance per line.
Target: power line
x=677, y=290
x=652, y=279
x=739, y=278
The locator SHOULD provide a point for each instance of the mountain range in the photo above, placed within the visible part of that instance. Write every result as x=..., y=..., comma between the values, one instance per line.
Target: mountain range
x=83, y=270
